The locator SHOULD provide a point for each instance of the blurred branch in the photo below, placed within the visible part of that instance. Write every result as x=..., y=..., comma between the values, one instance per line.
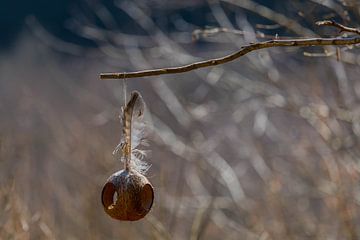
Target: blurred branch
x=199, y=33
x=272, y=15
x=203, y=33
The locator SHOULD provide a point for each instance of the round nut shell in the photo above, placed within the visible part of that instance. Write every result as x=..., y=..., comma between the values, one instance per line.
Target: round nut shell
x=127, y=196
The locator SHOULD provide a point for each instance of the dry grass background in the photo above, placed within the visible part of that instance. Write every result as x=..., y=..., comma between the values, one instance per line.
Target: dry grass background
x=266, y=147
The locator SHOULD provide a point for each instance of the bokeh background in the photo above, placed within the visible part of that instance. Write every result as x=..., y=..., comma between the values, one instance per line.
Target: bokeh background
x=265, y=147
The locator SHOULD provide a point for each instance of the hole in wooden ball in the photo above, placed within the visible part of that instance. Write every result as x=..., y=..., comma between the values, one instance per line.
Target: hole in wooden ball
x=147, y=197
x=107, y=196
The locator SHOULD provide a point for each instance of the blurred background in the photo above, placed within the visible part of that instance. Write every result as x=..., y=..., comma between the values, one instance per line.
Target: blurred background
x=265, y=147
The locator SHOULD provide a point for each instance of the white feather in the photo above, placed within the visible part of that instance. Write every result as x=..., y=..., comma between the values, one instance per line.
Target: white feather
x=138, y=134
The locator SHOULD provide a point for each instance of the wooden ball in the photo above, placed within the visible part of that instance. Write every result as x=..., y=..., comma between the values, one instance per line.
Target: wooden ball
x=127, y=195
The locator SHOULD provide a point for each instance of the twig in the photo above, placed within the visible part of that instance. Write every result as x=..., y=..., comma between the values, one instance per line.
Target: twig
x=244, y=50
x=338, y=25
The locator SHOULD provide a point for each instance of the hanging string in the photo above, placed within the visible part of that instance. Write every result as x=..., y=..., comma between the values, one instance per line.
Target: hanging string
x=124, y=90
x=126, y=160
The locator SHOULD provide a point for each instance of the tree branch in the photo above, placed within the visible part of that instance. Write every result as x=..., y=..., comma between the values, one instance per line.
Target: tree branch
x=244, y=50
x=338, y=25
x=304, y=42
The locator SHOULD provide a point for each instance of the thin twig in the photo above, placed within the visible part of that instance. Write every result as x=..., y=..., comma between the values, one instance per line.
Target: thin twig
x=338, y=25
x=244, y=50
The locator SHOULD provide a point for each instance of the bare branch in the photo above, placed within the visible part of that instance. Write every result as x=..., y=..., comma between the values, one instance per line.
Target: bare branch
x=243, y=51
x=338, y=25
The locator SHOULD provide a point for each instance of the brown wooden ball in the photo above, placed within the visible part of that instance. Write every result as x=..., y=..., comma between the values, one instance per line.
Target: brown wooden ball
x=127, y=195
